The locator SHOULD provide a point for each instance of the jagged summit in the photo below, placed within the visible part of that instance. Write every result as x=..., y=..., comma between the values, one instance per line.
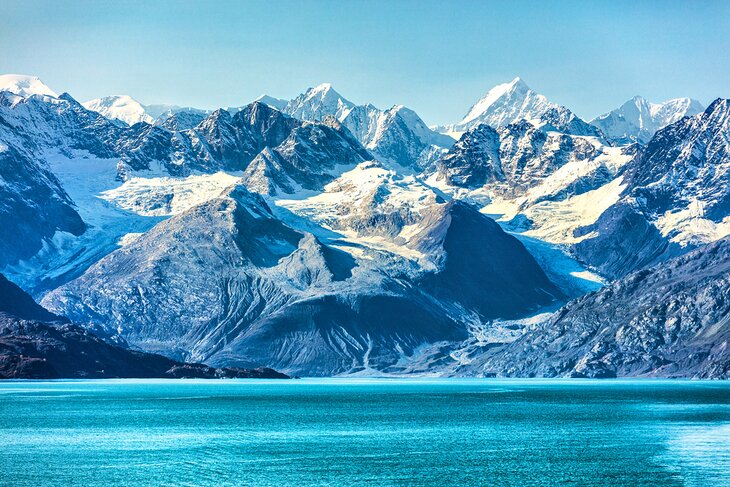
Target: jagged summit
x=637, y=120
x=508, y=103
x=502, y=90
x=318, y=102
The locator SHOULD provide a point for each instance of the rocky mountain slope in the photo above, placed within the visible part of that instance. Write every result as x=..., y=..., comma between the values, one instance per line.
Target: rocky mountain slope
x=256, y=290
x=672, y=320
x=36, y=344
x=513, y=158
x=128, y=111
x=676, y=196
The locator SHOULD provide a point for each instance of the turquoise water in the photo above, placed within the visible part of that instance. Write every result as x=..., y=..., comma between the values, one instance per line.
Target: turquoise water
x=378, y=432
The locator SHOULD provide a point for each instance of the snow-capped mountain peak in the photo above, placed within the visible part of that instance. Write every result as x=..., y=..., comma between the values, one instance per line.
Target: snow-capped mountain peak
x=277, y=103
x=672, y=110
x=318, y=102
x=24, y=85
x=637, y=120
x=481, y=107
x=508, y=103
x=120, y=107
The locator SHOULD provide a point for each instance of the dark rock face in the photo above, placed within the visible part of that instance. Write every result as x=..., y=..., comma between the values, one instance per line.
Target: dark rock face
x=672, y=320
x=16, y=302
x=36, y=344
x=284, y=151
x=473, y=160
x=33, y=206
x=518, y=156
x=565, y=121
x=37, y=350
x=486, y=269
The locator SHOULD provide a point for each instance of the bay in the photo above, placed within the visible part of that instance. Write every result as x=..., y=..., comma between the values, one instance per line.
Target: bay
x=365, y=431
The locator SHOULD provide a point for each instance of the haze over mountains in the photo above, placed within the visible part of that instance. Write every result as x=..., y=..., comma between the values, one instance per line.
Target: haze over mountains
x=321, y=237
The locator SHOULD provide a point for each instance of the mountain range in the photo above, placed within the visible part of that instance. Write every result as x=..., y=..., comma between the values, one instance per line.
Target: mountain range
x=319, y=237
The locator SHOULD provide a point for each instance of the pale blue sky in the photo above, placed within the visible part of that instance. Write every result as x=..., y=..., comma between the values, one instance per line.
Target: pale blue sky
x=435, y=57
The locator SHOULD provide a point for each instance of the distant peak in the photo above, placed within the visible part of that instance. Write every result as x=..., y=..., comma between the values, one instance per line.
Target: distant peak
x=277, y=103
x=113, y=100
x=25, y=85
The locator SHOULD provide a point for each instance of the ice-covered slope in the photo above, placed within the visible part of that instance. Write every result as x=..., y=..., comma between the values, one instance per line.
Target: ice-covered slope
x=120, y=107
x=397, y=135
x=637, y=120
x=126, y=109
x=278, y=103
x=23, y=85
x=34, y=206
x=512, y=102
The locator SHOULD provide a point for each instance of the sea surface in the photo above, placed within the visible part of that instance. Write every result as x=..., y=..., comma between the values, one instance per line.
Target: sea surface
x=364, y=431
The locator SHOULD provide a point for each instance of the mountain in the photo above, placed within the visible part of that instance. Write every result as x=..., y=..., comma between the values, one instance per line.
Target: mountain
x=65, y=165
x=33, y=204
x=278, y=103
x=395, y=136
x=36, y=344
x=343, y=239
x=317, y=103
x=42, y=124
x=676, y=196
x=513, y=159
x=309, y=151
x=24, y=86
x=257, y=291
x=120, y=107
x=126, y=109
x=672, y=320
x=16, y=302
x=637, y=120
x=616, y=209
x=512, y=102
